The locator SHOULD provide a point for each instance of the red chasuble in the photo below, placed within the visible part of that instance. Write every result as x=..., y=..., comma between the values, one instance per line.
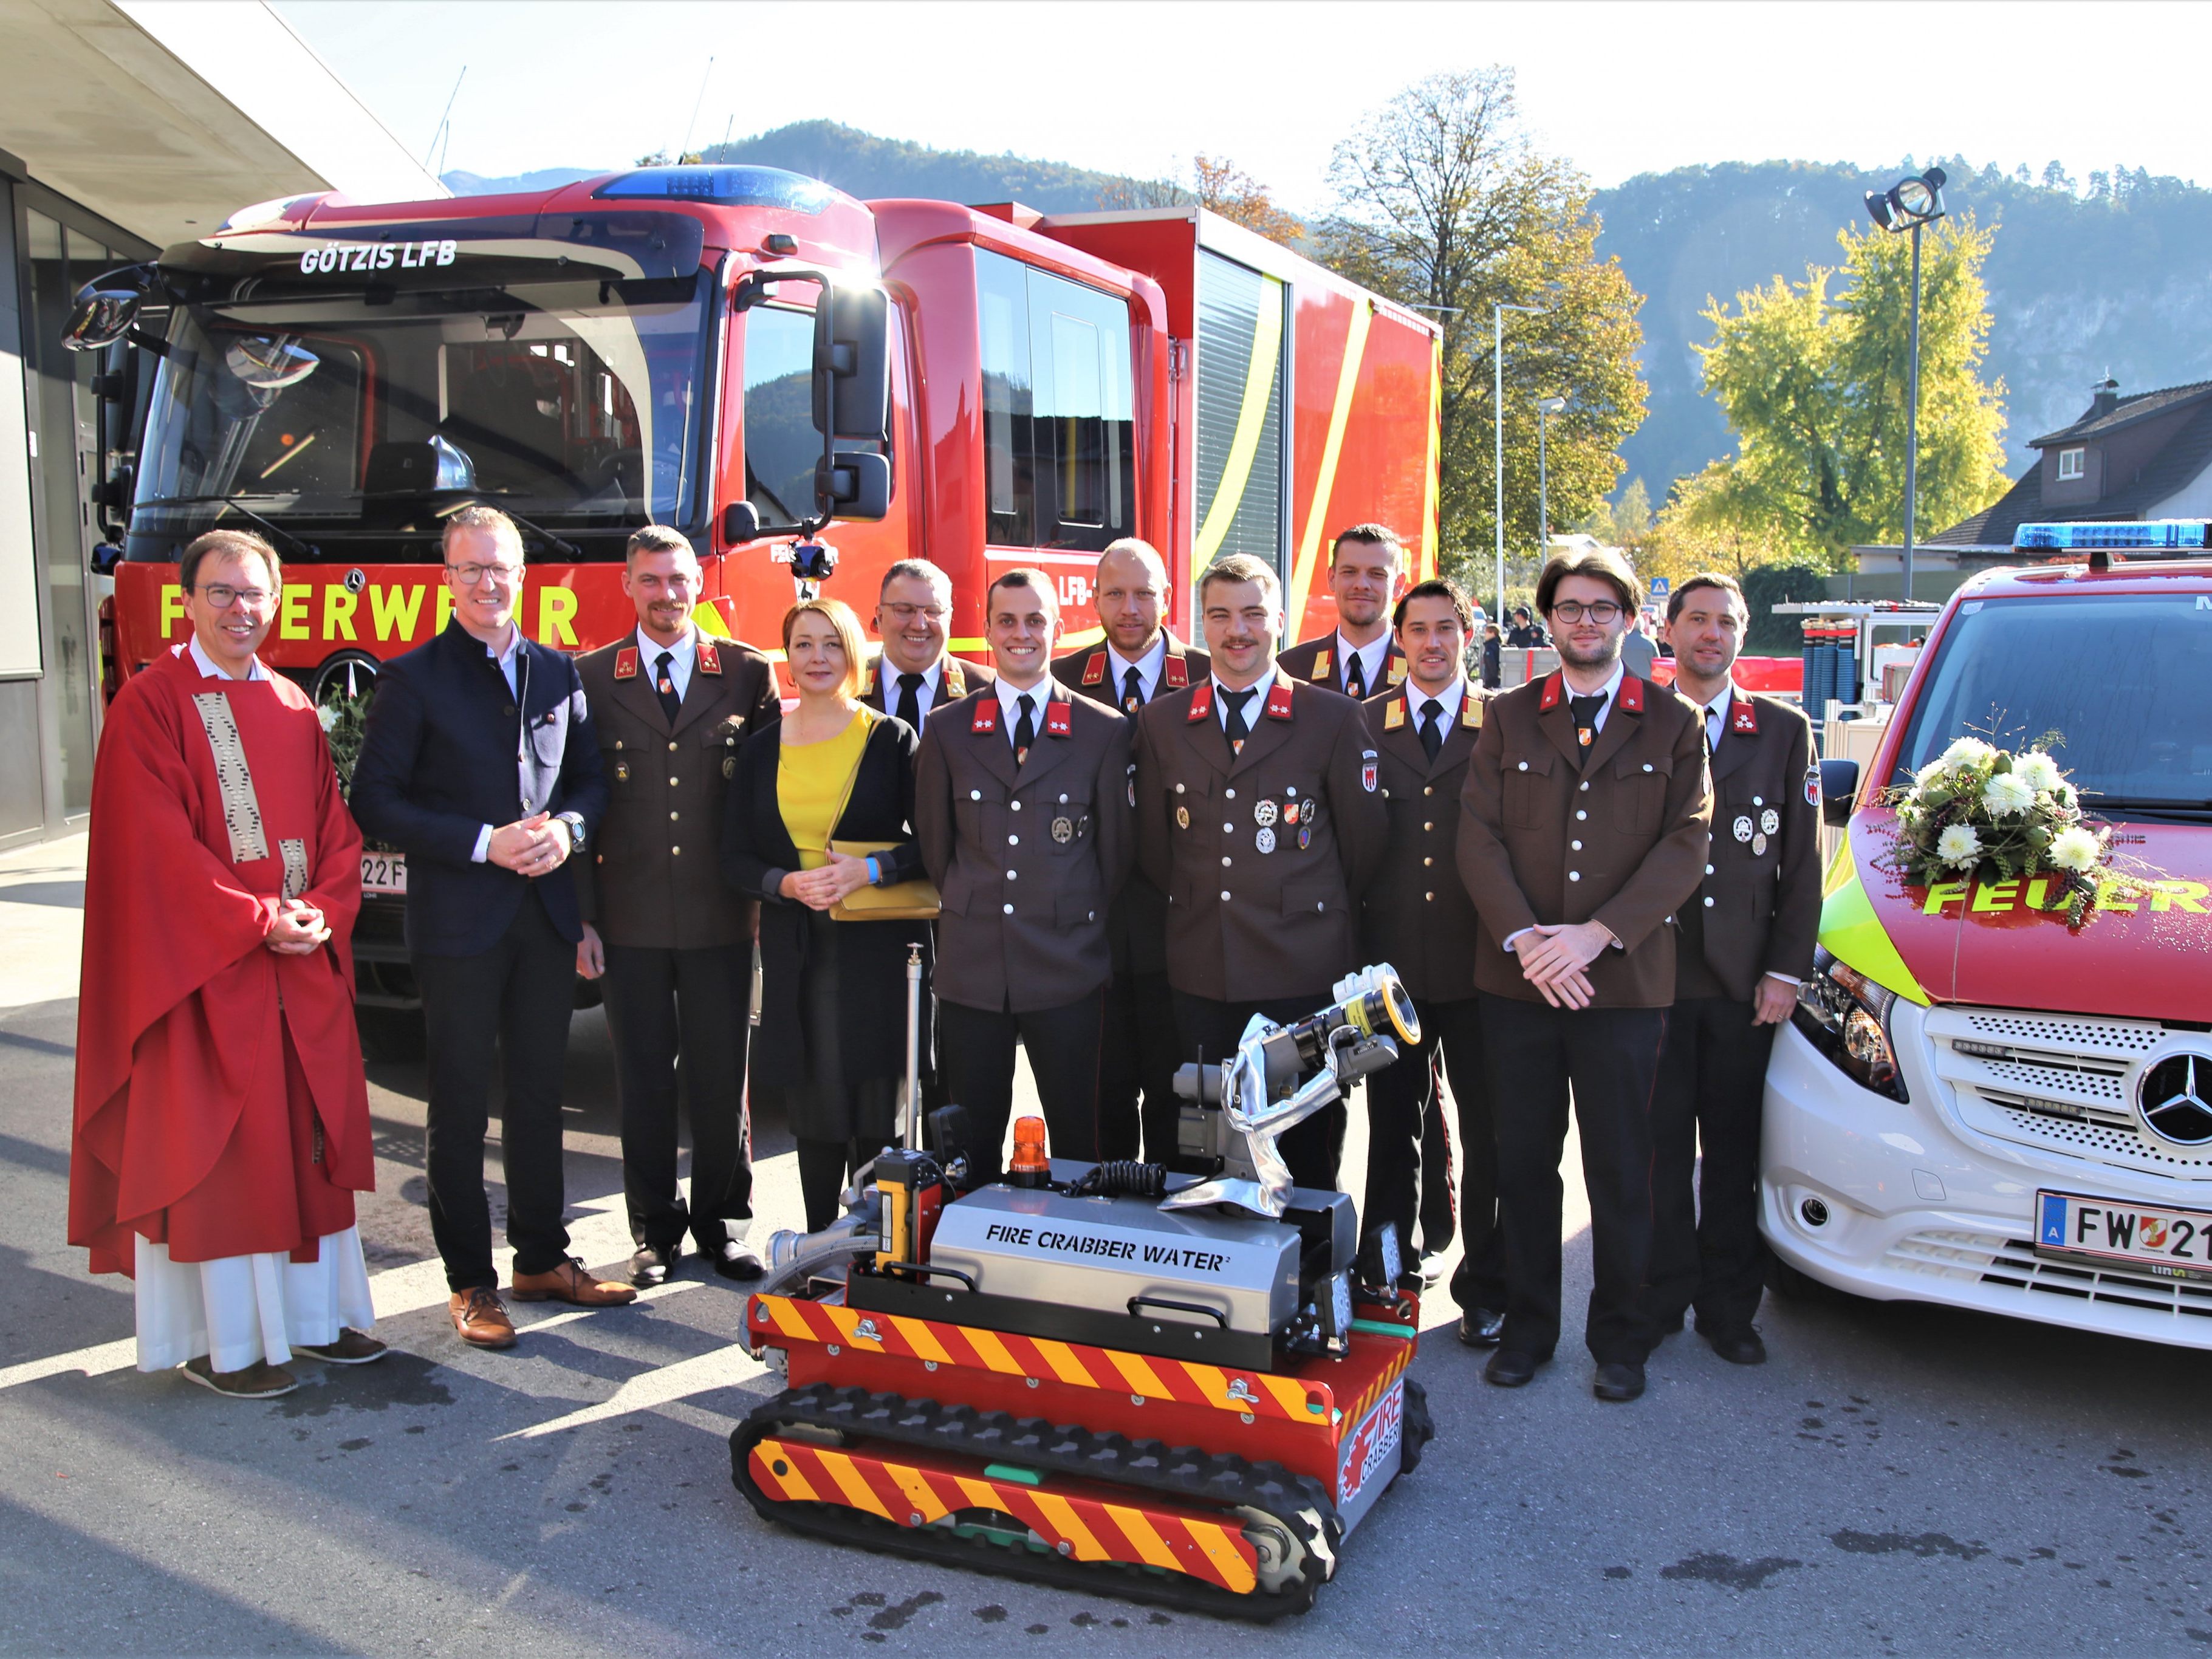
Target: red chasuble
x=220, y=1107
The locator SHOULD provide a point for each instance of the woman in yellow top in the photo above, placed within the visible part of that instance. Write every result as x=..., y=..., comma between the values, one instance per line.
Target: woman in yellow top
x=831, y=1048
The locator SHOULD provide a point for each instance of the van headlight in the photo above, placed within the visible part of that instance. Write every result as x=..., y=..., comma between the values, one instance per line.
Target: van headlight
x=1845, y=1016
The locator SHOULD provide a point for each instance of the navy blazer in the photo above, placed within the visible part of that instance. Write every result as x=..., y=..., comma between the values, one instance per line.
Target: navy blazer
x=446, y=752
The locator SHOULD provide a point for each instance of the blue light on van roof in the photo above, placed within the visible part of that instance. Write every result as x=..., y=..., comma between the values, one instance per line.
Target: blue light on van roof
x=727, y=187
x=2152, y=535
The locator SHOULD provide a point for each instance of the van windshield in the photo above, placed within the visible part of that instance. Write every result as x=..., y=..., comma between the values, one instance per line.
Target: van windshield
x=2124, y=681
x=575, y=403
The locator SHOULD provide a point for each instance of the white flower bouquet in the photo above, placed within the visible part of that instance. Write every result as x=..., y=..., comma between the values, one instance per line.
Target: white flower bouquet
x=1977, y=812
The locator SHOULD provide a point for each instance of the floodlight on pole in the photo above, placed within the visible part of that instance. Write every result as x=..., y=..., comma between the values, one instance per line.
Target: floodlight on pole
x=1909, y=204
x=1497, y=310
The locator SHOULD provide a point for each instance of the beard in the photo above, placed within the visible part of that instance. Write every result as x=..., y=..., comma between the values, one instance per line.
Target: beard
x=1601, y=655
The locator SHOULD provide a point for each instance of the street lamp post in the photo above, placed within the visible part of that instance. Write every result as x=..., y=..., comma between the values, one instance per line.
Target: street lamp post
x=1546, y=408
x=1910, y=205
x=1497, y=310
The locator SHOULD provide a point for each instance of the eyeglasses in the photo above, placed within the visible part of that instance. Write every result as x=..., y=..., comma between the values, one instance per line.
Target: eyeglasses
x=1573, y=610
x=223, y=595
x=904, y=614
x=469, y=575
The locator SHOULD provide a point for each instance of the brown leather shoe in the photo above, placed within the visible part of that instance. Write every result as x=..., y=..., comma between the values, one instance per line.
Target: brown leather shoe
x=259, y=1381
x=570, y=1283
x=353, y=1348
x=480, y=1318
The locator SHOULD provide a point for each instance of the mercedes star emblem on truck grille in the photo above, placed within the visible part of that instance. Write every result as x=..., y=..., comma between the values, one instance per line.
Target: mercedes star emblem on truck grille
x=2175, y=1098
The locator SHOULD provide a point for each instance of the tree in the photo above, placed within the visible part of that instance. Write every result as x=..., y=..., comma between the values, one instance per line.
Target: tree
x=1814, y=387
x=1224, y=188
x=1444, y=204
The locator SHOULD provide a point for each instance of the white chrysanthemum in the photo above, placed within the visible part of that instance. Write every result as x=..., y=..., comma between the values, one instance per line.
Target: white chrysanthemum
x=2075, y=849
x=2037, y=770
x=1959, y=845
x=2006, y=796
x=1930, y=773
x=328, y=716
x=1965, y=752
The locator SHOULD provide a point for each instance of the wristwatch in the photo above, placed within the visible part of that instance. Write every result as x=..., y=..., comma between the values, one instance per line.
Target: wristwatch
x=575, y=822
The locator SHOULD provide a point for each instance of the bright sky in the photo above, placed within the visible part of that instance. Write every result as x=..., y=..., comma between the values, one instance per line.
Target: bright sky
x=1139, y=87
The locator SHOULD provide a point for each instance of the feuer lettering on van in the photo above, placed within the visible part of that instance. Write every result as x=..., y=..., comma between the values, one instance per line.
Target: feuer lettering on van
x=2042, y=893
x=394, y=613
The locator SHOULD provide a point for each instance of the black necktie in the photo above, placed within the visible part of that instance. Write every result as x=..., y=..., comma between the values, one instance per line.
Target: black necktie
x=1432, y=734
x=1234, y=725
x=664, y=684
x=1585, y=711
x=910, y=700
x=1355, y=676
x=1024, y=729
x=1132, y=691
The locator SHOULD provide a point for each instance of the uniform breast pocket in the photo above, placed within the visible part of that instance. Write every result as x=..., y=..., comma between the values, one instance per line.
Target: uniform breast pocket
x=1639, y=794
x=718, y=744
x=1069, y=829
x=619, y=765
x=1528, y=780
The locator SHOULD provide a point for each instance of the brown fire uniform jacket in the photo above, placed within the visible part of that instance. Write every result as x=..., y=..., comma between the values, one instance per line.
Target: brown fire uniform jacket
x=1318, y=662
x=1027, y=856
x=1263, y=854
x=958, y=677
x=1545, y=836
x=652, y=878
x=1758, y=910
x=1137, y=925
x=1416, y=915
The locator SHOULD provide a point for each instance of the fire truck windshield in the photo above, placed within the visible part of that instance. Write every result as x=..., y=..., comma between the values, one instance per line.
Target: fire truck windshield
x=2122, y=680
x=577, y=403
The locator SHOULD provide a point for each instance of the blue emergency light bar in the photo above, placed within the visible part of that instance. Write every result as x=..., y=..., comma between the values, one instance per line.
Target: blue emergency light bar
x=2158, y=535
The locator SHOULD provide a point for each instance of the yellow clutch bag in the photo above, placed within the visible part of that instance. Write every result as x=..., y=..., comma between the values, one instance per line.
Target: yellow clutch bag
x=901, y=901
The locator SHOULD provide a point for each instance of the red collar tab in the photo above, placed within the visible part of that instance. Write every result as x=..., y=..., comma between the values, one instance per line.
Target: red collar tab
x=1201, y=703
x=1178, y=672
x=1059, y=719
x=710, y=661
x=1551, y=693
x=1743, y=714
x=986, y=715
x=1279, y=698
x=626, y=663
x=1632, y=693
x=1094, y=670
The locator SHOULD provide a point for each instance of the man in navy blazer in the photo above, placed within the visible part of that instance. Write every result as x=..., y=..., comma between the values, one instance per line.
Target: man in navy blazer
x=479, y=763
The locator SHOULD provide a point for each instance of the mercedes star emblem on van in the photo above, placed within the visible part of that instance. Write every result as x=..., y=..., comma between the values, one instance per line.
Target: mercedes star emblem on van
x=2175, y=1098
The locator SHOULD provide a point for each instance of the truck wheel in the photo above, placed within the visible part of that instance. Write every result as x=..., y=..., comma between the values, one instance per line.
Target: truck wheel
x=390, y=1035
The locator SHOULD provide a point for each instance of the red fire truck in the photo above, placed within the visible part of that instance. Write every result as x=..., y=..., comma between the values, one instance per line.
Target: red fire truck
x=998, y=387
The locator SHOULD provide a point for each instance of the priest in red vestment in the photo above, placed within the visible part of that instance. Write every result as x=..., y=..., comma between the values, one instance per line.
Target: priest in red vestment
x=222, y=1124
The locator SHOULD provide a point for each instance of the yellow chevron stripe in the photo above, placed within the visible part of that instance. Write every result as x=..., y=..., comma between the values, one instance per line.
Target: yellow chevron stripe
x=994, y=1353
x=1431, y=554
x=1138, y=1528
x=1251, y=417
x=1235, y=1572
x=1064, y=1365
x=919, y=1492
x=1290, y=1395
x=1211, y=1384
x=980, y=1494
x=788, y=1319
x=1061, y=1514
x=844, y=1318
x=857, y=1493
x=794, y=1484
x=920, y=1338
x=1138, y=1374
x=1347, y=381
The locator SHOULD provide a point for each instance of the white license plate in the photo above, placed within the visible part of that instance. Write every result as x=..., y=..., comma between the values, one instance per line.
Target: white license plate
x=384, y=872
x=2170, y=1243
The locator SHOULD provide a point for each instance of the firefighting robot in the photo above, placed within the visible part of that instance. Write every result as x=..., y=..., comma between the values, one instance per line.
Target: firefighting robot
x=1183, y=1389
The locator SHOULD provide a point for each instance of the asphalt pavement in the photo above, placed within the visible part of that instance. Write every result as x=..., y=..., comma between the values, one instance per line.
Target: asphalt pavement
x=1898, y=1479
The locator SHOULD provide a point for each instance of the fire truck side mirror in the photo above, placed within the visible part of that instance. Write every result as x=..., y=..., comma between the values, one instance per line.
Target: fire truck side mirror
x=741, y=523
x=852, y=363
x=856, y=486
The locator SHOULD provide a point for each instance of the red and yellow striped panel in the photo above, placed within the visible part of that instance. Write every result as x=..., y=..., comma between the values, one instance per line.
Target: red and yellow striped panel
x=1288, y=1399
x=1085, y=1521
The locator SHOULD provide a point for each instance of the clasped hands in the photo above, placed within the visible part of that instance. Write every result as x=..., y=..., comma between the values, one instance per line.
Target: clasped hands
x=299, y=929
x=818, y=889
x=534, y=845
x=1555, y=959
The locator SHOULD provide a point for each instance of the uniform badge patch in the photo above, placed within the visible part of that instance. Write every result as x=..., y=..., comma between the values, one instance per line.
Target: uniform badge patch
x=1291, y=813
x=1094, y=671
x=1367, y=771
x=1182, y=817
x=626, y=663
x=1397, y=671
x=1265, y=812
x=1470, y=713
x=1770, y=820
x=1305, y=837
x=1758, y=845
x=622, y=771
x=1319, y=666
x=1062, y=832
x=1265, y=840
x=1813, y=786
x=1178, y=673
x=729, y=767
x=1310, y=812
x=1742, y=828
x=1394, y=716
x=710, y=661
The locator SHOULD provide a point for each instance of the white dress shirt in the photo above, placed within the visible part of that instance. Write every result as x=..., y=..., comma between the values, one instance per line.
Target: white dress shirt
x=207, y=666
x=1010, y=704
x=681, y=657
x=1252, y=708
x=1149, y=668
x=1715, y=715
x=506, y=659
x=1374, y=658
x=925, y=699
x=1452, y=697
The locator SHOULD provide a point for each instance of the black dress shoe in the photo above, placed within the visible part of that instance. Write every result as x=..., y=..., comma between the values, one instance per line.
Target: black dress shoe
x=1479, y=1327
x=1618, y=1382
x=1510, y=1367
x=734, y=1259
x=651, y=1264
x=1739, y=1344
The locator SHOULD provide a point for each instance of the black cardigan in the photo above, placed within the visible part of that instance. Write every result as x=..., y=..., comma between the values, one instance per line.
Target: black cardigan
x=758, y=852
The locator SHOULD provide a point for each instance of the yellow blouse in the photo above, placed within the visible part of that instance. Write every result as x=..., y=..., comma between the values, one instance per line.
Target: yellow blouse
x=811, y=783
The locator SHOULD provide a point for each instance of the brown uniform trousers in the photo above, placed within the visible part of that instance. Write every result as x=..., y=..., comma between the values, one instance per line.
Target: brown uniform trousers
x=1318, y=662
x=1027, y=853
x=1139, y=1054
x=1757, y=911
x=1550, y=834
x=1417, y=918
x=679, y=942
x=1263, y=854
